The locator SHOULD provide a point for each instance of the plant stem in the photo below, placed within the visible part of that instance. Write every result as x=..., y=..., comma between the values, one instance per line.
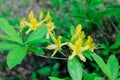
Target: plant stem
x=84, y=71
x=114, y=26
x=57, y=58
x=103, y=32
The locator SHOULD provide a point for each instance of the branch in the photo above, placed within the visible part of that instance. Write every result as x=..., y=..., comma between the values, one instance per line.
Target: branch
x=103, y=32
x=114, y=26
x=84, y=71
x=57, y=58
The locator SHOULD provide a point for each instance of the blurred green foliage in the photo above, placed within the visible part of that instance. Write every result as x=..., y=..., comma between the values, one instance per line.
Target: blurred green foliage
x=99, y=18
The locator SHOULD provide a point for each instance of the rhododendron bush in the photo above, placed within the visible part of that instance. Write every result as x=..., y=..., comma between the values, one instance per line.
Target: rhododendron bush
x=41, y=36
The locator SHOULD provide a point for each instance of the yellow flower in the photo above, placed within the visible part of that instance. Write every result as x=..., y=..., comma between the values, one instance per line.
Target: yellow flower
x=50, y=26
x=90, y=43
x=33, y=24
x=79, y=33
x=78, y=49
x=22, y=24
x=41, y=15
x=57, y=46
x=31, y=15
x=78, y=45
x=48, y=17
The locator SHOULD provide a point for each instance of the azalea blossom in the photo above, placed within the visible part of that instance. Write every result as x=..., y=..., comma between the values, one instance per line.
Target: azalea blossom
x=79, y=44
x=78, y=49
x=57, y=44
x=50, y=26
x=33, y=23
x=90, y=43
x=22, y=24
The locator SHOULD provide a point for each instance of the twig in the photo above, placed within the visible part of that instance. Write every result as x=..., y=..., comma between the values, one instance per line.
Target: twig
x=57, y=58
x=65, y=59
x=114, y=26
x=105, y=25
x=104, y=32
x=84, y=71
x=72, y=19
x=62, y=53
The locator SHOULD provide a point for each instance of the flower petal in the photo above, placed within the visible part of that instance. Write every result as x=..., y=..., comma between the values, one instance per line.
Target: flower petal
x=28, y=31
x=22, y=24
x=63, y=44
x=78, y=44
x=31, y=14
x=48, y=17
x=41, y=15
x=78, y=29
x=72, y=56
x=82, y=57
x=54, y=53
x=33, y=22
x=82, y=35
x=84, y=48
x=52, y=37
x=71, y=46
x=47, y=36
x=58, y=42
x=52, y=46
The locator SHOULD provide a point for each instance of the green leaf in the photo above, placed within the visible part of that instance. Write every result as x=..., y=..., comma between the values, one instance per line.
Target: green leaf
x=56, y=66
x=37, y=35
x=105, y=13
x=5, y=37
x=9, y=30
x=72, y=30
x=90, y=76
x=44, y=70
x=98, y=78
x=36, y=50
x=117, y=37
x=96, y=3
x=38, y=41
x=67, y=78
x=16, y=56
x=55, y=71
x=113, y=6
x=34, y=76
x=113, y=65
x=8, y=45
x=115, y=45
x=118, y=79
x=54, y=78
x=102, y=65
x=87, y=54
x=75, y=69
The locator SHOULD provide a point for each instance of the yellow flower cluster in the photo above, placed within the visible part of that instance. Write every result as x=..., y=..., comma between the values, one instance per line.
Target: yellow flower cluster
x=33, y=23
x=78, y=44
